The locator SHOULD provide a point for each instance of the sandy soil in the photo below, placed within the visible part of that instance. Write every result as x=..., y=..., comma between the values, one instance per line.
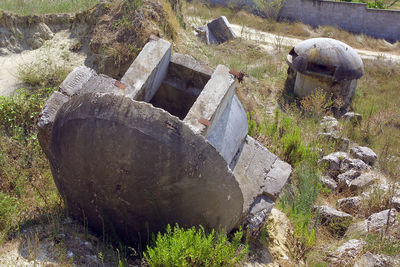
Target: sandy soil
x=58, y=48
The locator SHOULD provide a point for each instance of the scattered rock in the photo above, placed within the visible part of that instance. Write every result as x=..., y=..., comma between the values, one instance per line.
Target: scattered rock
x=362, y=181
x=259, y=212
x=329, y=182
x=341, y=143
x=364, y=153
x=395, y=202
x=329, y=124
x=373, y=260
x=219, y=31
x=347, y=252
x=353, y=117
x=344, y=179
x=357, y=164
x=377, y=222
x=333, y=160
x=349, y=204
x=336, y=221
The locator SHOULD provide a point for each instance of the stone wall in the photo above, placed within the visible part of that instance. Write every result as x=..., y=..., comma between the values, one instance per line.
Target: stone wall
x=353, y=17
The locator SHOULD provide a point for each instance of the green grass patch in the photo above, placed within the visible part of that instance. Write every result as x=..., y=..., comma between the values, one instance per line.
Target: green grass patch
x=194, y=247
x=31, y=7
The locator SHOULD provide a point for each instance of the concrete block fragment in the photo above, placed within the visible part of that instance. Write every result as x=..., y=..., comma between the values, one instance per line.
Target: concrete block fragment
x=219, y=31
x=76, y=80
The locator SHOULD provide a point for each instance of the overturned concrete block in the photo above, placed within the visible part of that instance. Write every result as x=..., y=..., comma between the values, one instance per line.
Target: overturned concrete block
x=139, y=168
x=219, y=31
x=167, y=144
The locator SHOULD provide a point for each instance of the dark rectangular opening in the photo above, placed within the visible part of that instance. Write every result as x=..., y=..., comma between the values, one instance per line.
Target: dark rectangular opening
x=321, y=69
x=184, y=82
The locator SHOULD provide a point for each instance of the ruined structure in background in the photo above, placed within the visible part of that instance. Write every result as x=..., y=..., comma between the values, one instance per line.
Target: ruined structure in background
x=217, y=31
x=327, y=64
x=166, y=144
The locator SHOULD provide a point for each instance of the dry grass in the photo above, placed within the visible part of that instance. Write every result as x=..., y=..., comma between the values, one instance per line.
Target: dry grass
x=29, y=7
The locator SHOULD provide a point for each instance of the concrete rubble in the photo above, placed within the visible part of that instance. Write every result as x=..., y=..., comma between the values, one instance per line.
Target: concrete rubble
x=166, y=144
x=217, y=31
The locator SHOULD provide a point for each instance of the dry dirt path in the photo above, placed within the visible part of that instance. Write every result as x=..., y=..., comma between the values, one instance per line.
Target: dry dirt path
x=272, y=42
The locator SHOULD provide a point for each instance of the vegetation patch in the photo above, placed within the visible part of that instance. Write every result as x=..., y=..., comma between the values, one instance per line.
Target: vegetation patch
x=194, y=247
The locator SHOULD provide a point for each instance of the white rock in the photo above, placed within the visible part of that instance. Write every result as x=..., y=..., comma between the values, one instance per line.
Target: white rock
x=362, y=181
x=364, y=153
x=329, y=124
x=349, y=204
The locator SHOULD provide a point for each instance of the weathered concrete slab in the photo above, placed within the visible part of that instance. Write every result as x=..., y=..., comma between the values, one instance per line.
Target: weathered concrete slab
x=46, y=119
x=140, y=168
x=76, y=80
x=219, y=31
x=147, y=72
x=230, y=130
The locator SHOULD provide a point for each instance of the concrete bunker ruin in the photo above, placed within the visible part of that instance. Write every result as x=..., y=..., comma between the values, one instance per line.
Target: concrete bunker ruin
x=166, y=144
x=327, y=64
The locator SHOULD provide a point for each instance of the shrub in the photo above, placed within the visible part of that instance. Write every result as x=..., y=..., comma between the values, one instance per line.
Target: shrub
x=193, y=247
x=7, y=207
x=43, y=71
x=19, y=112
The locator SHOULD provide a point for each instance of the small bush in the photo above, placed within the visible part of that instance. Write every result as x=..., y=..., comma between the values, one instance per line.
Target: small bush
x=193, y=247
x=43, y=71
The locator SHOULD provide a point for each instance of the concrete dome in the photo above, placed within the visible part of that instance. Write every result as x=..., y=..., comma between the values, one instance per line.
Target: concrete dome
x=327, y=58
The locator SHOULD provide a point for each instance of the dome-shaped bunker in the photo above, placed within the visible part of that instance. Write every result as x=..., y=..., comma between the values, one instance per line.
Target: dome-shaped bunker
x=325, y=63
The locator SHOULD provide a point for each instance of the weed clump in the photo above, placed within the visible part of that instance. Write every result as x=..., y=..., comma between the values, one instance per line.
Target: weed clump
x=193, y=247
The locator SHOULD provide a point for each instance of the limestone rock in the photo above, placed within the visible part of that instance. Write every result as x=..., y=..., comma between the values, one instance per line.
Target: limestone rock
x=329, y=182
x=350, y=204
x=336, y=221
x=329, y=124
x=373, y=260
x=357, y=164
x=344, y=179
x=333, y=161
x=364, y=153
x=259, y=212
x=395, y=202
x=362, y=181
x=354, y=118
x=347, y=252
x=377, y=222
x=219, y=31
